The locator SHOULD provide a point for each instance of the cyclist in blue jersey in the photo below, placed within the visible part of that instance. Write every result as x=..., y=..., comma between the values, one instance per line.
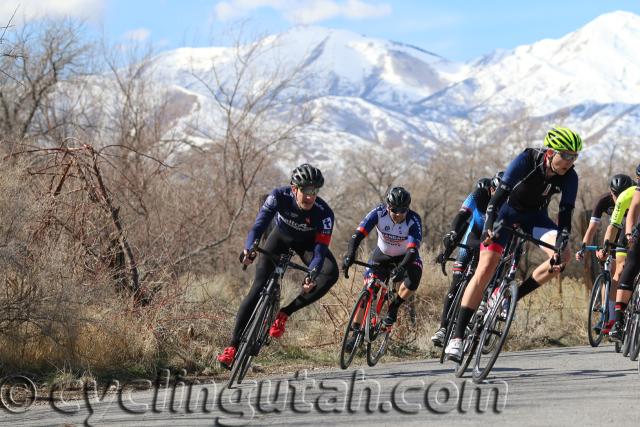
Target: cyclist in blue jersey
x=399, y=235
x=466, y=228
x=304, y=223
x=522, y=197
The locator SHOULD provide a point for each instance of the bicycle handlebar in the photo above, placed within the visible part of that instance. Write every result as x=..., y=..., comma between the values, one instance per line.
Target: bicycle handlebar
x=526, y=236
x=444, y=257
x=364, y=264
x=276, y=260
x=608, y=245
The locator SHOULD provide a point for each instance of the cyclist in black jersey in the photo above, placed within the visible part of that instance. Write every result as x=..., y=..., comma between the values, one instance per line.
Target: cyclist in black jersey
x=604, y=204
x=522, y=197
x=632, y=266
x=304, y=223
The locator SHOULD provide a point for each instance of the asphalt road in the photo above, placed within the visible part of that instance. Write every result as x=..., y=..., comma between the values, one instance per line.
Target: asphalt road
x=562, y=386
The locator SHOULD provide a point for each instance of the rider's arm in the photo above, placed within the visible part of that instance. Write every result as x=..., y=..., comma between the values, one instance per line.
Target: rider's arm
x=321, y=247
x=264, y=218
x=609, y=234
x=515, y=172
x=363, y=230
x=568, y=200
x=604, y=203
x=634, y=210
x=590, y=233
x=413, y=241
x=461, y=220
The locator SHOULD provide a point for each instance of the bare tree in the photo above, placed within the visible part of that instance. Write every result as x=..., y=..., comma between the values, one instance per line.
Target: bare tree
x=255, y=111
x=48, y=54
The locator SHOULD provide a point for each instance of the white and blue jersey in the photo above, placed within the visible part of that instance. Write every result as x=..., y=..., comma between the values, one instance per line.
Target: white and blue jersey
x=393, y=239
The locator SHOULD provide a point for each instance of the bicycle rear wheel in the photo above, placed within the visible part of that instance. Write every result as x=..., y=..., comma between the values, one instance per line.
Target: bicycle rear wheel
x=346, y=356
x=496, y=325
x=597, y=316
x=634, y=348
x=627, y=333
x=378, y=335
x=252, y=338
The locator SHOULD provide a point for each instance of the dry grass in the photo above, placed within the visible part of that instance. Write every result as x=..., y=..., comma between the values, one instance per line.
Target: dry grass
x=61, y=317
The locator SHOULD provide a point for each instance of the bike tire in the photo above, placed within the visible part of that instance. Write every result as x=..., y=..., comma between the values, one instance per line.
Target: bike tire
x=596, y=305
x=258, y=325
x=346, y=357
x=635, y=339
x=627, y=334
x=470, y=347
x=511, y=292
x=453, y=317
x=378, y=337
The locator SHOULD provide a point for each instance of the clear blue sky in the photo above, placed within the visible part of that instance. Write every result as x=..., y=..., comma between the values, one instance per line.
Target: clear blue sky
x=458, y=30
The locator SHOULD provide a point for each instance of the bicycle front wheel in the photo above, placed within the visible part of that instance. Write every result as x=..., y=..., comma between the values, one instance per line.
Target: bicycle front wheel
x=452, y=318
x=346, y=355
x=497, y=324
x=378, y=334
x=252, y=339
x=597, y=316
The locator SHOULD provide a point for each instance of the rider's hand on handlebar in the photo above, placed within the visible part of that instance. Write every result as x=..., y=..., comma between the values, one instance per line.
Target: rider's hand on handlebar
x=247, y=256
x=449, y=239
x=556, y=263
x=347, y=262
x=397, y=274
x=487, y=237
x=308, y=285
x=601, y=254
x=580, y=253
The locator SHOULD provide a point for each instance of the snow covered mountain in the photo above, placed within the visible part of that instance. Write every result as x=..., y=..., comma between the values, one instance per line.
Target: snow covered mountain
x=373, y=93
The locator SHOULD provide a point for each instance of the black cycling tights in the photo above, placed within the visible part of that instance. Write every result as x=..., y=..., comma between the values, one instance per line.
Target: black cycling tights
x=278, y=243
x=631, y=268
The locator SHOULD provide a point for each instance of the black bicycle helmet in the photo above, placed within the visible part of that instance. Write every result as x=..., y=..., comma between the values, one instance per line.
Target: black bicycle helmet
x=619, y=183
x=497, y=178
x=398, y=197
x=306, y=175
x=484, y=183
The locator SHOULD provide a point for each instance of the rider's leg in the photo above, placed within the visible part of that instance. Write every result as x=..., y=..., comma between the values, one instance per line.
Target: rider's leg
x=618, y=268
x=546, y=232
x=625, y=288
x=409, y=285
x=326, y=279
x=487, y=263
x=463, y=258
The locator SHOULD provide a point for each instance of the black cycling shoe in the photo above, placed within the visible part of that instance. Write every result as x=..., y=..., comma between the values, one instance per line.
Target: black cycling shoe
x=391, y=318
x=615, y=334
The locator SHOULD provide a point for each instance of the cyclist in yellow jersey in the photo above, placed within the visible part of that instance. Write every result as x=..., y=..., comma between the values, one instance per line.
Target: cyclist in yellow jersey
x=632, y=202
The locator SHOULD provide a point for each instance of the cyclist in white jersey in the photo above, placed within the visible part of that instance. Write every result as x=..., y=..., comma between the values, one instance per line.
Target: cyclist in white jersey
x=399, y=236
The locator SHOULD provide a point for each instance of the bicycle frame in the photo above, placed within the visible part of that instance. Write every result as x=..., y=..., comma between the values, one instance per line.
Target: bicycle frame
x=255, y=332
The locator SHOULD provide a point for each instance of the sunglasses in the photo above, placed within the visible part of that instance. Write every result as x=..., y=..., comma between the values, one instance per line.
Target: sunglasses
x=570, y=157
x=398, y=210
x=309, y=191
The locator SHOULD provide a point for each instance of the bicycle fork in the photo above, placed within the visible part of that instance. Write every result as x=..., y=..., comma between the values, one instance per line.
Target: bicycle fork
x=368, y=321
